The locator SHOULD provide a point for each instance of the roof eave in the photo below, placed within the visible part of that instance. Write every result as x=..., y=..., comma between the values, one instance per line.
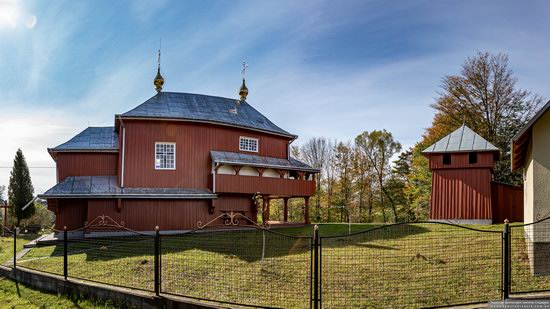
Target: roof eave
x=289, y=135
x=496, y=152
x=129, y=196
x=460, y=151
x=521, y=140
x=53, y=150
x=531, y=122
x=519, y=149
x=52, y=154
x=286, y=168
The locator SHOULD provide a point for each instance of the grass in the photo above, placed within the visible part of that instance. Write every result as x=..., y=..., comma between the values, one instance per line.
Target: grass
x=6, y=245
x=412, y=265
x=13, y=295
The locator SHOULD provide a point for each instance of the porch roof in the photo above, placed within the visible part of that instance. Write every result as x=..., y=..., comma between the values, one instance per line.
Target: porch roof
x=235, y=158
x=107, y=187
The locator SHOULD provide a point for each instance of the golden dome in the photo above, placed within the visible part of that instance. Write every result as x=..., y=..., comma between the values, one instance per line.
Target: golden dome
x=159, y=81
x=243, y=92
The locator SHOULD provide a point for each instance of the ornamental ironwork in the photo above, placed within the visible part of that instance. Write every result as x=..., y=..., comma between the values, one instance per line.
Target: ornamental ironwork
x=232, y=219
x=104, y=221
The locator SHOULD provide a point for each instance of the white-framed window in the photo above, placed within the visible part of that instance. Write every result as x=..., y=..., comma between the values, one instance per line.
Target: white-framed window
x=248, y=144
x=165, y=156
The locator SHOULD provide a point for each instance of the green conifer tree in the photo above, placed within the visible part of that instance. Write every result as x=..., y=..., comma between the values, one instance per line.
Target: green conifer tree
x=20, y=190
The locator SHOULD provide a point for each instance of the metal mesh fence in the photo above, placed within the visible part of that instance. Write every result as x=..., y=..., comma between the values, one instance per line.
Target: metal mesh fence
x=530, y=257
x=46, y=258
x=123, y=261
x=6, y=247
x=245, y=266
x=405, y=265
x=411, y=265
x=120, y=260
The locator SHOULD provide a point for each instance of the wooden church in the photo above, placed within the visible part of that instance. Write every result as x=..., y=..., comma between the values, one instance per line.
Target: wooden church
x=176, y=161
x=463, y=190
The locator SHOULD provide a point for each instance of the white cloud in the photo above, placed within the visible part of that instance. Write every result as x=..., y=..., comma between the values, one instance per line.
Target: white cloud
x=33, y=131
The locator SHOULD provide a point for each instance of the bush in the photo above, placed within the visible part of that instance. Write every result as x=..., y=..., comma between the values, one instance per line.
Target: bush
x=42, y=217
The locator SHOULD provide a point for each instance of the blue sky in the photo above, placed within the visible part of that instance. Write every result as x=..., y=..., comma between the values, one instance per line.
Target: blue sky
x=316, y=68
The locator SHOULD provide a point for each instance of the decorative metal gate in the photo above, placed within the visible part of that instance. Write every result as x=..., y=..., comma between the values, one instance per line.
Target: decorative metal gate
x=530, y=257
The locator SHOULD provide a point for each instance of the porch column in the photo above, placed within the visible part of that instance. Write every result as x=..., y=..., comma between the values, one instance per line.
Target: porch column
x=306, y=210
x=254, y=209
x=265, y=214
x=285, y=209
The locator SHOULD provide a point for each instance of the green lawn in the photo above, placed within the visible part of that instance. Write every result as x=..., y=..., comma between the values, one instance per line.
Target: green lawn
x=6, y=245
x=14, y=295
x=412, y=265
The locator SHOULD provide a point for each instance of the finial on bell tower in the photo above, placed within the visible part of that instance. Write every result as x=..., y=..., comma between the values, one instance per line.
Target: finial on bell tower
x=159, y=80
x=243, y=92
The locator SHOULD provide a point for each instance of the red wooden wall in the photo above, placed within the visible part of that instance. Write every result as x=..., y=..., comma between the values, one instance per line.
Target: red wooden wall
x=460, y=160
x=193, y=144
x=461, y=194
x=86, y=164
x=507, y=202
x=71, y=213
x=144, y=215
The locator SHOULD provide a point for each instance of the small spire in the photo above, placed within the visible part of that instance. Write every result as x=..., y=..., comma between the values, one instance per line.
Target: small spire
x=243, y=91
x=159, y=80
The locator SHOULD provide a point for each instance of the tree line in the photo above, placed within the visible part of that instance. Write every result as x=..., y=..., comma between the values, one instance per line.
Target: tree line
x=356, y=179
x=372, y=179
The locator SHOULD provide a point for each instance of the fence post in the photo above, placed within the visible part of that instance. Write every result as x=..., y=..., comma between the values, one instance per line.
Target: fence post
x=157, y=260
x=15, y=247
x=316, y=246
x=65, y=257
x=506, y=263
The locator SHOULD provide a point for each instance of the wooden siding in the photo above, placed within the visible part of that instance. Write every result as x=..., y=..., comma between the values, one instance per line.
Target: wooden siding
x=461, y=194
x=70, y=213
x=86, y=164
x=234, y=203
x=264, y=185
x=144, y=215
x=243, y=204
x=507, y=202
x=193, y=145
x=460, y=160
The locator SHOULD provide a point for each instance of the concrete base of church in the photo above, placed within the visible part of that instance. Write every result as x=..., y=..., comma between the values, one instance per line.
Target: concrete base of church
x=464, y=221
x=539, y=257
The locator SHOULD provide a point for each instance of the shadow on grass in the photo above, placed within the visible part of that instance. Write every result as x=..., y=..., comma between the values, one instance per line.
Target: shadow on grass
x=378, y=247
x=248, y=245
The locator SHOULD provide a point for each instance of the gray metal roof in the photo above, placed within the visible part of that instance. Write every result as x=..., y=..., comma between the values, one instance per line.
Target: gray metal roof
x=198, y=107
x=235, y=158
x=92, y=138
x=106, y=187
x=462, y=139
